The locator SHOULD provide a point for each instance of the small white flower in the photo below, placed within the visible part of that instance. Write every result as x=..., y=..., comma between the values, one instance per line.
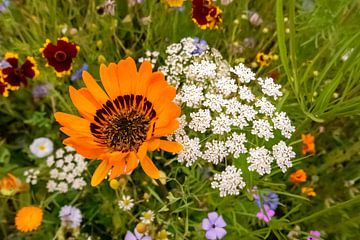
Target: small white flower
x=173, y=48
x=147, y=217
x=69, y=149
x=283, y=123
x=68, y=158
x=265, y=106
x=214, y=101
x=246, y=94
x=262, y=129
x=283, y=155
x=191, y=95
x=244, y=73
x=221, y=124
x=191, y=150
x=54, y=173
x=41, y=147
x=260, y=160
x=50, y=161
x=62, y=187
x=59, y=163
x=200, y=120
x=127, y=203
x=59, y=153
x=236, y=144
x=229, y=182
x=226, y=85
x=215, y=151
x=31, y=176
x=51, y=186
x=78, y=183
x=270, y=88
x=198, y=71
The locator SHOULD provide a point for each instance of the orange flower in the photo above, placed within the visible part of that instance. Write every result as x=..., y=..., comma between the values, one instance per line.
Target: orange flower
x=308, y=141
x=28, y=218
x=308, y=191
x=298, y=177
x=10, y=185
x=119, y=125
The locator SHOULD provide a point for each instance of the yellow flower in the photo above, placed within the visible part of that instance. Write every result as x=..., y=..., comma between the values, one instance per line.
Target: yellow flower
x=308, y=191
x=175, y=3
x=264, y=59
x=28, y=218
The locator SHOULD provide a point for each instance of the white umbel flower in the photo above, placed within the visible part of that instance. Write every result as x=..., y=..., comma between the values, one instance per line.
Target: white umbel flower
x=198, y=71
x=215, y=151
x=244, y=73
x=260, y=160
x=126, y=203
x=226, y=85
x=191, y=95
x=265, y=106
x=283, y=123
x=270, y=88
x=214, y=101
x=191, y=150
x=221, y=124
x=41, y=147
x=32, y=176
x=262, y=129
x=283, y=155
x=246, y=94
x=200, y=120
x=229, y=182
x=235, y=144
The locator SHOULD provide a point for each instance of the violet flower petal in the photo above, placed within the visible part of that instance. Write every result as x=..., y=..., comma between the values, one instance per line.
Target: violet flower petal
x=212, y=217
x=220, y=222
x=211, y=234
x=206, y=225
x=220, y=232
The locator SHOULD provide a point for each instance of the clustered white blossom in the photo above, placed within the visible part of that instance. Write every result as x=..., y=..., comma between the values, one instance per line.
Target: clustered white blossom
x=151, y=57
x=32, y=176
x=228, y=113
x=66, y=171
x=229, y=182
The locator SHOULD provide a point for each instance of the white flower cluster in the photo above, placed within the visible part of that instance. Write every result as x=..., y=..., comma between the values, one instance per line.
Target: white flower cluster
x=151, y=57
x=229, y=182
x=228, y=113
x=66, y=171
x=32, y=176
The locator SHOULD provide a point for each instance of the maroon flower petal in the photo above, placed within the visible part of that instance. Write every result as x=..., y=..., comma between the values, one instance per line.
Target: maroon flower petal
x=14, y=62
x=27, y=69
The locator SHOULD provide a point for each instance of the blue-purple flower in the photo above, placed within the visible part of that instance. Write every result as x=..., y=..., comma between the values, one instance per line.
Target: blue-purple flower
x=201, y=46
x=214, y=226
x=313, y=235
x=78, y=73
x=41, y=90
x=4, y=5
x=267, y=198
x=136, y=236
x=70, y=216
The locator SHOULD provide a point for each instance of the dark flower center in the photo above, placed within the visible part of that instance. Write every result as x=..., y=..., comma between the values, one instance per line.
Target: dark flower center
x=60, y=56
x=123, y=124
x=18, y=71
x=213, y=226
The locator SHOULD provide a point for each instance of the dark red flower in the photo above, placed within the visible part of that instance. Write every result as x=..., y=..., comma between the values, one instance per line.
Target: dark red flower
x=206, y=14
x=4, y=88
x=15, y=75
x=61, y=55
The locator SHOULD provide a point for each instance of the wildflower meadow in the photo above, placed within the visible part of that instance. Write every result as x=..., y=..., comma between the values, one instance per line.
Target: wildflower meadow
x=179, y=119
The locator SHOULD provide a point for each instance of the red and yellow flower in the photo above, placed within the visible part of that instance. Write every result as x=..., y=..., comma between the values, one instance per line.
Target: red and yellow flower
x=15, y=75
x=206, y=14
x=121, y=124
x=61, y=55
x=264, y=59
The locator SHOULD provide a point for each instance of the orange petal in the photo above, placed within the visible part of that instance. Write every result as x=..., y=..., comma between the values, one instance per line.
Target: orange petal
x=131, y=162
x=153, y=144
x=118, y=161
x=172, y=147
x=82, y=104
x=145, y=73
x=108, y=81
x=73, y=122
x=169, y=129
x=142, y=150
x=149, y=168
x=87, y=94
x=125, y=80
x=100, y=173
x=94, y=88
x=171, y=111
x=85, y=146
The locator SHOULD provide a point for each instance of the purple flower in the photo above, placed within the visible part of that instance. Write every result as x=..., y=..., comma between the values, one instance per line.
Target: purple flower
x=40, y=91
x=5, y=4
x=201, y=45
x=3, y=63
x=313, y=235
x=136, y=236
x=214, y=226
x=267, y=198
x=267, y=215
x=78, y=73
x=70, y=216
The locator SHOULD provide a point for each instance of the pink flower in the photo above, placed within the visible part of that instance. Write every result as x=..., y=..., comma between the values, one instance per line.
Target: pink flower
x=269, y=213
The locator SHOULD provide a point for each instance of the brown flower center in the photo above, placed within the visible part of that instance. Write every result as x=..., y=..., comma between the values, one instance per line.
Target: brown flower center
x=123, y=124
x=60, y=56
